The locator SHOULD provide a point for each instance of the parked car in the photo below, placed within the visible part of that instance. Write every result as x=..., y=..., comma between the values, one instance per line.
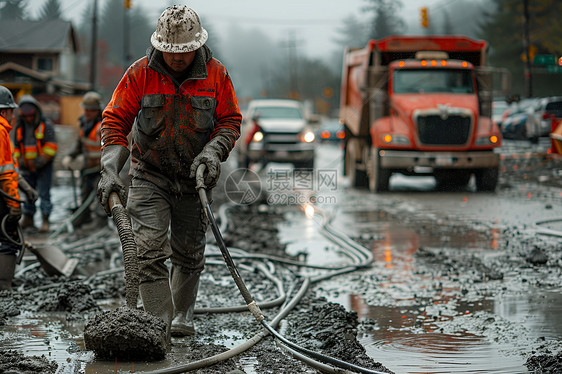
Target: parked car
x=515, y=125
x=331, y=130
x=546, y=109
x=276, y=130
x=498, y=109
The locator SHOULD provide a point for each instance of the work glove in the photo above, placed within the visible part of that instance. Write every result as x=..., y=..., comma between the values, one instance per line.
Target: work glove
x=66, y=161
x=14, y=215
x=113, y=157
x=214, y=152
x=29, y=191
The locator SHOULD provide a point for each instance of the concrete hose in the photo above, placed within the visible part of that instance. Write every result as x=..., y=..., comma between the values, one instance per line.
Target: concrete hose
x=129, y=247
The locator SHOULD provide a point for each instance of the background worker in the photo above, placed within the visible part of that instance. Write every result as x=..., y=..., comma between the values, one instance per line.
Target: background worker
x=10, y=210
x=181, y=106
x=35, y=148
x=86, y=152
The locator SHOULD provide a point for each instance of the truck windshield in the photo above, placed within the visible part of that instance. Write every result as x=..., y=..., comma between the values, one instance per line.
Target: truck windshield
x=268, y=112
x=433, y=80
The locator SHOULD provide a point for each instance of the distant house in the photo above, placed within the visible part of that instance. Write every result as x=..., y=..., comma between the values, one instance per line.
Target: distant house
x=38, y=58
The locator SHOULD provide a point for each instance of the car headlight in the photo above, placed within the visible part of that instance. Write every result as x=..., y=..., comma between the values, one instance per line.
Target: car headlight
x=258, y=137
x=487, y=140
x=307, y=137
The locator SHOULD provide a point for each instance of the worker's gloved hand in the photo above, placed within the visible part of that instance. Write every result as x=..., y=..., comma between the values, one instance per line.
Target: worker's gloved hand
x=29, y=191
x=113, y=157
x=211, y=159
x=214, y=152
x=66, y=161
x=14, y=215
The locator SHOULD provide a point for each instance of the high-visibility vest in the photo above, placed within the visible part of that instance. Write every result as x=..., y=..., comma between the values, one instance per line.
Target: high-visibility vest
x=8, y=175
x=31, y=152
x=91, y=145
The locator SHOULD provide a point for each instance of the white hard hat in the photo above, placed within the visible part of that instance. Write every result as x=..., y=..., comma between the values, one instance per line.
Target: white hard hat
x=179, y=30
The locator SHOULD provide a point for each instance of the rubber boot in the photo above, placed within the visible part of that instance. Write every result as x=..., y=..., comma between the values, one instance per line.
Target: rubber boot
x=184, y=292
x=27, y=221
x=45, y=225
x=7, y=268
x=157, y=300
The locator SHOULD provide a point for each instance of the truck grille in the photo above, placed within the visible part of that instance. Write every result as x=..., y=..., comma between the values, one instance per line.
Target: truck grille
x=433, y=130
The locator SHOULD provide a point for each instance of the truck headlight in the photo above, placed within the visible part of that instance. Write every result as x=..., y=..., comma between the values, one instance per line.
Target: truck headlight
x=487, y=140
x=307, y=137
x=395, y=139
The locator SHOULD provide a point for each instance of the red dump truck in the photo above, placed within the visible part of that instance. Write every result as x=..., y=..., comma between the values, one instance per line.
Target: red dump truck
x=419, y=105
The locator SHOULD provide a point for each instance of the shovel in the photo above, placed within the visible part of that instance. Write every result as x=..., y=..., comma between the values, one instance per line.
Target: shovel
x=51, y=258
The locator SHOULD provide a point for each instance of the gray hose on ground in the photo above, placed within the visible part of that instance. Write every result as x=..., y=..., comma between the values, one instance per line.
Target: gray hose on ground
x=130, y=261
x=208, y=361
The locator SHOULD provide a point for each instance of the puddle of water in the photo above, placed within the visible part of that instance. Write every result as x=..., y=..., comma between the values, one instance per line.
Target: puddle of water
x=538, y=310
x=408, y=352
x=403, y=340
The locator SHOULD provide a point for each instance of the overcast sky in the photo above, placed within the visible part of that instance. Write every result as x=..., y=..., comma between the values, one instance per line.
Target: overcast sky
x=313, y=22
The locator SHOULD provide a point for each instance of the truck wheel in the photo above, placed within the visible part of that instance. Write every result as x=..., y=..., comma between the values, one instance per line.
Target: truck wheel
x=487, y=179
x=378, y=177
x=357, y=177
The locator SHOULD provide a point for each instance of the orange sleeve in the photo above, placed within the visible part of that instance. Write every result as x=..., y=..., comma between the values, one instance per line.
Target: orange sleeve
x=227, y=113
x=120, y=113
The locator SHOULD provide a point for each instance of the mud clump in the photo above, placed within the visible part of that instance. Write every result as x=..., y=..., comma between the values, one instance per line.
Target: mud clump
x=127, y=335
x=71, y=297
x=328, y=327
x=15, y=362
x=545, y=364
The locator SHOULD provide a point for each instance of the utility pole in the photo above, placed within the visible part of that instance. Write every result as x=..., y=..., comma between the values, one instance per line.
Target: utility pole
x=126, y=34
x=526, y=45
x=293, y=66
x=94, y=46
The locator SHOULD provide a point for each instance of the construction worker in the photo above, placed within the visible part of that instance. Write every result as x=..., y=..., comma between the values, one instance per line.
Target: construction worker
x=35, y=148
x=86, y=152
x=10, y=210
x=181, y=106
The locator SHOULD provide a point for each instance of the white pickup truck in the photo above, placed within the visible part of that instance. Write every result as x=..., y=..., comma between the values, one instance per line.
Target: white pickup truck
x=276, y=130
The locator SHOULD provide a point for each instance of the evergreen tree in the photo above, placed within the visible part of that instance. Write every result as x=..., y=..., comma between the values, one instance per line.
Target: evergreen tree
x=351, y=33
x=448, y=28
x=51, y=10
x=385, y=19
x=503, y=29
x=14, y=9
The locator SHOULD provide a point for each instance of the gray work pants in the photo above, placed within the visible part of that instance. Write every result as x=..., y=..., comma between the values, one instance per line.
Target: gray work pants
x=153, y=211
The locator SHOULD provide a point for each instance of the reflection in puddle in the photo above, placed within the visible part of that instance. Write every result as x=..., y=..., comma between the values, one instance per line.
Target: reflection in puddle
x=408, y=335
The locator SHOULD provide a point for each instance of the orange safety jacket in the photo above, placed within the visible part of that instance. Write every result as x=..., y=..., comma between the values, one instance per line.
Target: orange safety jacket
x=41, y=148
x=8, y=174
x=172, y=120
x=91, y=145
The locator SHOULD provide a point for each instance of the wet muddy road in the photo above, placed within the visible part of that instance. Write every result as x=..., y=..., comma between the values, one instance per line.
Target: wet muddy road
x=459, y=282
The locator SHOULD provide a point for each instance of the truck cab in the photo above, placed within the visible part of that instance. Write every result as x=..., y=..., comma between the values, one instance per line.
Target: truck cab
x=423, y=110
